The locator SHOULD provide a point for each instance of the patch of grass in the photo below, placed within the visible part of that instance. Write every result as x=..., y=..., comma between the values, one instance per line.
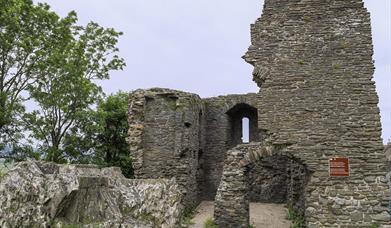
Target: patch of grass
x=297, y=220
x=210, y=223
x=187, y=217
x=375, y=225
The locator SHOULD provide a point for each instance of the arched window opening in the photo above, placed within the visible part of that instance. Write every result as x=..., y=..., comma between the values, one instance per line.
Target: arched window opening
x=243, y=126
x=245, y=130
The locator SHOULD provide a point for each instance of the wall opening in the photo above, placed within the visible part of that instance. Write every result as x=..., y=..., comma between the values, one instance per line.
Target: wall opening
x=280, y=180
x=276, y=178
x=245, y=130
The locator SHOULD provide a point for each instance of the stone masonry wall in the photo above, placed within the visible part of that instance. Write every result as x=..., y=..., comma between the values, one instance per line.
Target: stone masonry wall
x=218, y=138
x=387, y=150
x=268, y=180
x=313, y=62
x=176, y=134
x=237, y=184
x=164, y=137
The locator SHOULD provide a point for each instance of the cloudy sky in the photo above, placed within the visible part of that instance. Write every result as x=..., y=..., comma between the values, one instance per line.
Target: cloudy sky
x=196, y=45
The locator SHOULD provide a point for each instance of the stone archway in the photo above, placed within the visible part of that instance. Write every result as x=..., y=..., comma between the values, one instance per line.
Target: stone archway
x=233, y=198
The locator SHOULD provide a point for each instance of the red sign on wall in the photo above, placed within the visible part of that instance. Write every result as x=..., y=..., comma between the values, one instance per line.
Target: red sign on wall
x=339, y=167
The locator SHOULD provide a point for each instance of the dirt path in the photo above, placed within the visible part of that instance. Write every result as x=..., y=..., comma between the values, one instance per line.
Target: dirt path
x=203, y=212
x=269, y=215
x=261, y=215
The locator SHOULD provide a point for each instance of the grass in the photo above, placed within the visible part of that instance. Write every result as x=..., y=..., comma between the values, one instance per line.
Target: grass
x=297, y=220
x=210, y=223
x=187, y=218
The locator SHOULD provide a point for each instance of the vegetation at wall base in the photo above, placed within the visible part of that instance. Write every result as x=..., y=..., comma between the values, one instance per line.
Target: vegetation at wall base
x=210, y=223
x=297, y=219
x=375, y=225
x=188, y=216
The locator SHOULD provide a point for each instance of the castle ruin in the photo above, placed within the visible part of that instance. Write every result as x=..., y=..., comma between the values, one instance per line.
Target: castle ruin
x=317, y=104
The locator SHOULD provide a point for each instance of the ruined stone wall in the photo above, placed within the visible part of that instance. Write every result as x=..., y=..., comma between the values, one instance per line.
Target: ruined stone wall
x=296, y=185
x=278, y=179
x=218, y=138
x=164, y=137
x=239, y=184
x=387, y=150
x=176, y=134
x=268, y=180
x=313, y=62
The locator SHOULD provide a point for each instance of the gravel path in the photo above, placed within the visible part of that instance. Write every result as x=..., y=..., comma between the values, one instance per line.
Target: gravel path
x=262, y=215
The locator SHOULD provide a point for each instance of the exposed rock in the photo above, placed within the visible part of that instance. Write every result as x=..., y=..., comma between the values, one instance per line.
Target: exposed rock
x=35, y=194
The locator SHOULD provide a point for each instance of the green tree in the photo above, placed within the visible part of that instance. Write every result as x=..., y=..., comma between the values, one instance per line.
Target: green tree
x=65, y=89
x=101, y=135
x=27, y=34
x=112, y=143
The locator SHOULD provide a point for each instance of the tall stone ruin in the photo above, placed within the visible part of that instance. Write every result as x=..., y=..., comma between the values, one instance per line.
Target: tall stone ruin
x=313, y=62
x=317, y=101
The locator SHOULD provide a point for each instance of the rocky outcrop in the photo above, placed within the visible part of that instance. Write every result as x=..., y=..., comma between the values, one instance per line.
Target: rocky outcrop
x=35, y=194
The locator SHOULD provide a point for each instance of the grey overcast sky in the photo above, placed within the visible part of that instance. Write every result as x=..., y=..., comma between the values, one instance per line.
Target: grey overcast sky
x=196, y=45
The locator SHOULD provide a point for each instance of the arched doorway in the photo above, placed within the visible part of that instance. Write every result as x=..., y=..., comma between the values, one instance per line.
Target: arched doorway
x=235, y=190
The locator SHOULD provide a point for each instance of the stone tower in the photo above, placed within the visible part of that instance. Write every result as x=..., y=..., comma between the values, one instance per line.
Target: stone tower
x=313, y=62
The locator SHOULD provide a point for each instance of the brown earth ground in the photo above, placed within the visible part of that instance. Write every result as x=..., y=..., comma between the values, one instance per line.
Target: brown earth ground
x=262, y=215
